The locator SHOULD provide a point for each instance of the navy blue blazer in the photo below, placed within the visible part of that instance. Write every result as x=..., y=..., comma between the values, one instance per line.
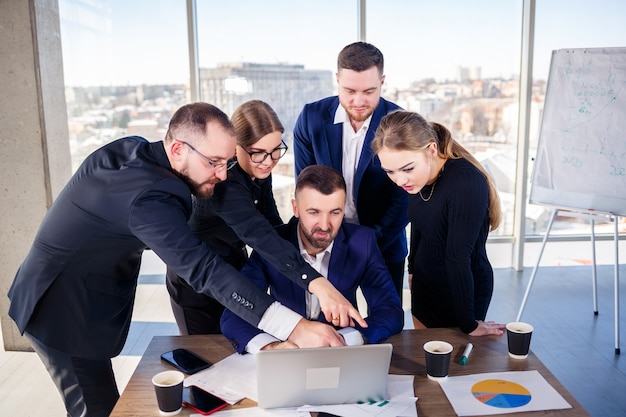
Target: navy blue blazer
x=75, y=290
x=380, y=204
x=355, y=262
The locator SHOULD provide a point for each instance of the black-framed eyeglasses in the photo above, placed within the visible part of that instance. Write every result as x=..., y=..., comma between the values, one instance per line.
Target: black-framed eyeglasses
x=227, y=165
x=259, y=156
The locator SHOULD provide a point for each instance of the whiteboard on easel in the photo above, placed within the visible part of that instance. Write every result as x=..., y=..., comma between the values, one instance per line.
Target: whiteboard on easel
x=581, y=153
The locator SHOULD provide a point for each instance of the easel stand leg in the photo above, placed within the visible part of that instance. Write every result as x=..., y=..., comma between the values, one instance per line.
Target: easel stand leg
x=594, y=276
x=595, y=294
x=616, y=286
x=532, y=276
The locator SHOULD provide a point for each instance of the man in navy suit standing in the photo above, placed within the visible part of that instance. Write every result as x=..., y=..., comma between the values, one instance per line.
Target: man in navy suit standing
x=346, y=253
x=337, y=131
x=73, y=295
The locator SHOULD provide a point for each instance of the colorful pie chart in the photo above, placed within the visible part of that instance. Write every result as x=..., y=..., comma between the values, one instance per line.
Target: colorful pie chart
x=500, y=393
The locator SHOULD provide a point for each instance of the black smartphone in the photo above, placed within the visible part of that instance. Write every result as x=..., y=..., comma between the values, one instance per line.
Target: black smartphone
x=185, y=360
x=202, y=401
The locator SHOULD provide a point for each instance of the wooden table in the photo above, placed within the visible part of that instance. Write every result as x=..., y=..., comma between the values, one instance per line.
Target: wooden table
x=489, y=355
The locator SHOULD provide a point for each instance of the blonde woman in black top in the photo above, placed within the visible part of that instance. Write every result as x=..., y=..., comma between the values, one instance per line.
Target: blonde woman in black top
x=453, y=204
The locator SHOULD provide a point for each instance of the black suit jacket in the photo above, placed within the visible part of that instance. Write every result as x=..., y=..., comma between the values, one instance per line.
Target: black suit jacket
x=75, y=290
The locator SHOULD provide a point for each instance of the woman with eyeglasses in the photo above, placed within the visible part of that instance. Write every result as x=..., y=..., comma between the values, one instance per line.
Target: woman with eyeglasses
x=453, y=204
x=242, y=211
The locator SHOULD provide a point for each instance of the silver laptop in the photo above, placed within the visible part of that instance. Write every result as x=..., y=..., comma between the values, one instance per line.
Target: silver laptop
x=331, y=375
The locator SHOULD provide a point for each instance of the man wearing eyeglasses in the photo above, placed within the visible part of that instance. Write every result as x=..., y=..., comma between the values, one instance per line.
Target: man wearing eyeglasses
x=242, y=213
x=74, y=293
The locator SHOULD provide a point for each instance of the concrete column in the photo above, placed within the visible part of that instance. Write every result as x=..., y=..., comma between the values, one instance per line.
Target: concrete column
x=35, y=159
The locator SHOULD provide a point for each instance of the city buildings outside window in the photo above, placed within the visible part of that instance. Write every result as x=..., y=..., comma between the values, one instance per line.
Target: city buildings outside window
x=126, y=68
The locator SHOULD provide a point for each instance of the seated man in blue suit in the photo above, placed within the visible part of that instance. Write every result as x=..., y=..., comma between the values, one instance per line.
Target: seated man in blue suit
x=345, y=253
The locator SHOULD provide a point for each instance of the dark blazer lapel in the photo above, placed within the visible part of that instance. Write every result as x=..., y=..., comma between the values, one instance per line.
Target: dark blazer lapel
x=297, y=293
x=367, y=155
x=333, y=139
x=338, y=257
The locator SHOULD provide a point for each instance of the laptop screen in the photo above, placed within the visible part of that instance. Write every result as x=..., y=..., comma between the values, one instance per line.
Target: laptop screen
x=331, y=375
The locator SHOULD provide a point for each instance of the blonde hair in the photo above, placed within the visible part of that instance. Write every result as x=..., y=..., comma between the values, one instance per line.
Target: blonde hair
x=408, y=131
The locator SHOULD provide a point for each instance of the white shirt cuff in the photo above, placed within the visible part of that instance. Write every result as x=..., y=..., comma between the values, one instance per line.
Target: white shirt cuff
x=279, y=321
x=352, y=336
x=259, y=341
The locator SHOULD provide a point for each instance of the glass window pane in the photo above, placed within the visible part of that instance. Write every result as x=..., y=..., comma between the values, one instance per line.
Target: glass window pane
x=564, y=24
x=284, y=53
x=457, y=63
x=126, y=68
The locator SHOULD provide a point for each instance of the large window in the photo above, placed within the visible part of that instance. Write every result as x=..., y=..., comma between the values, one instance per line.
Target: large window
x=457, y=63
x=281, y=52
x=126, y=66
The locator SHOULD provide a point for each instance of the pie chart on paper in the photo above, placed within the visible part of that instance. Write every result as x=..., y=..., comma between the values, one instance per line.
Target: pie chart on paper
x=501, y=393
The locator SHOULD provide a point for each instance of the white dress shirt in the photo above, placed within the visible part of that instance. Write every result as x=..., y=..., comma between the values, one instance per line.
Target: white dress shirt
x=352, y=144
x=319, y=262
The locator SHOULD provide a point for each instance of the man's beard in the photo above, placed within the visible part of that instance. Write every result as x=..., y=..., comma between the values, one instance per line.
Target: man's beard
x=196, y=188
x=318, y=243
x=360, y=117
x=357, y=117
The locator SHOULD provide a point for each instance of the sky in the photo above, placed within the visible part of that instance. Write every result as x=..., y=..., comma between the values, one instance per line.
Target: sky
x=120, y=42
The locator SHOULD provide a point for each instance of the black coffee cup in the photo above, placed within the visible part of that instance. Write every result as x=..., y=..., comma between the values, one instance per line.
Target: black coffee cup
x=438, y=354
x=518, y=336
x=168, y=386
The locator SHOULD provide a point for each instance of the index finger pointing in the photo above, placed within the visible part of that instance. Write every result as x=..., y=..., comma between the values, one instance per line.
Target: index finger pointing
x=353, y=313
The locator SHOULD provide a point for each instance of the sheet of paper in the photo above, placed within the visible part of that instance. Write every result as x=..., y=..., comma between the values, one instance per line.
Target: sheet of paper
x=501, y=393
x=394, y=408
x=399, y=386
x=259, y=412
x=232, y=379
x=401, y=402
